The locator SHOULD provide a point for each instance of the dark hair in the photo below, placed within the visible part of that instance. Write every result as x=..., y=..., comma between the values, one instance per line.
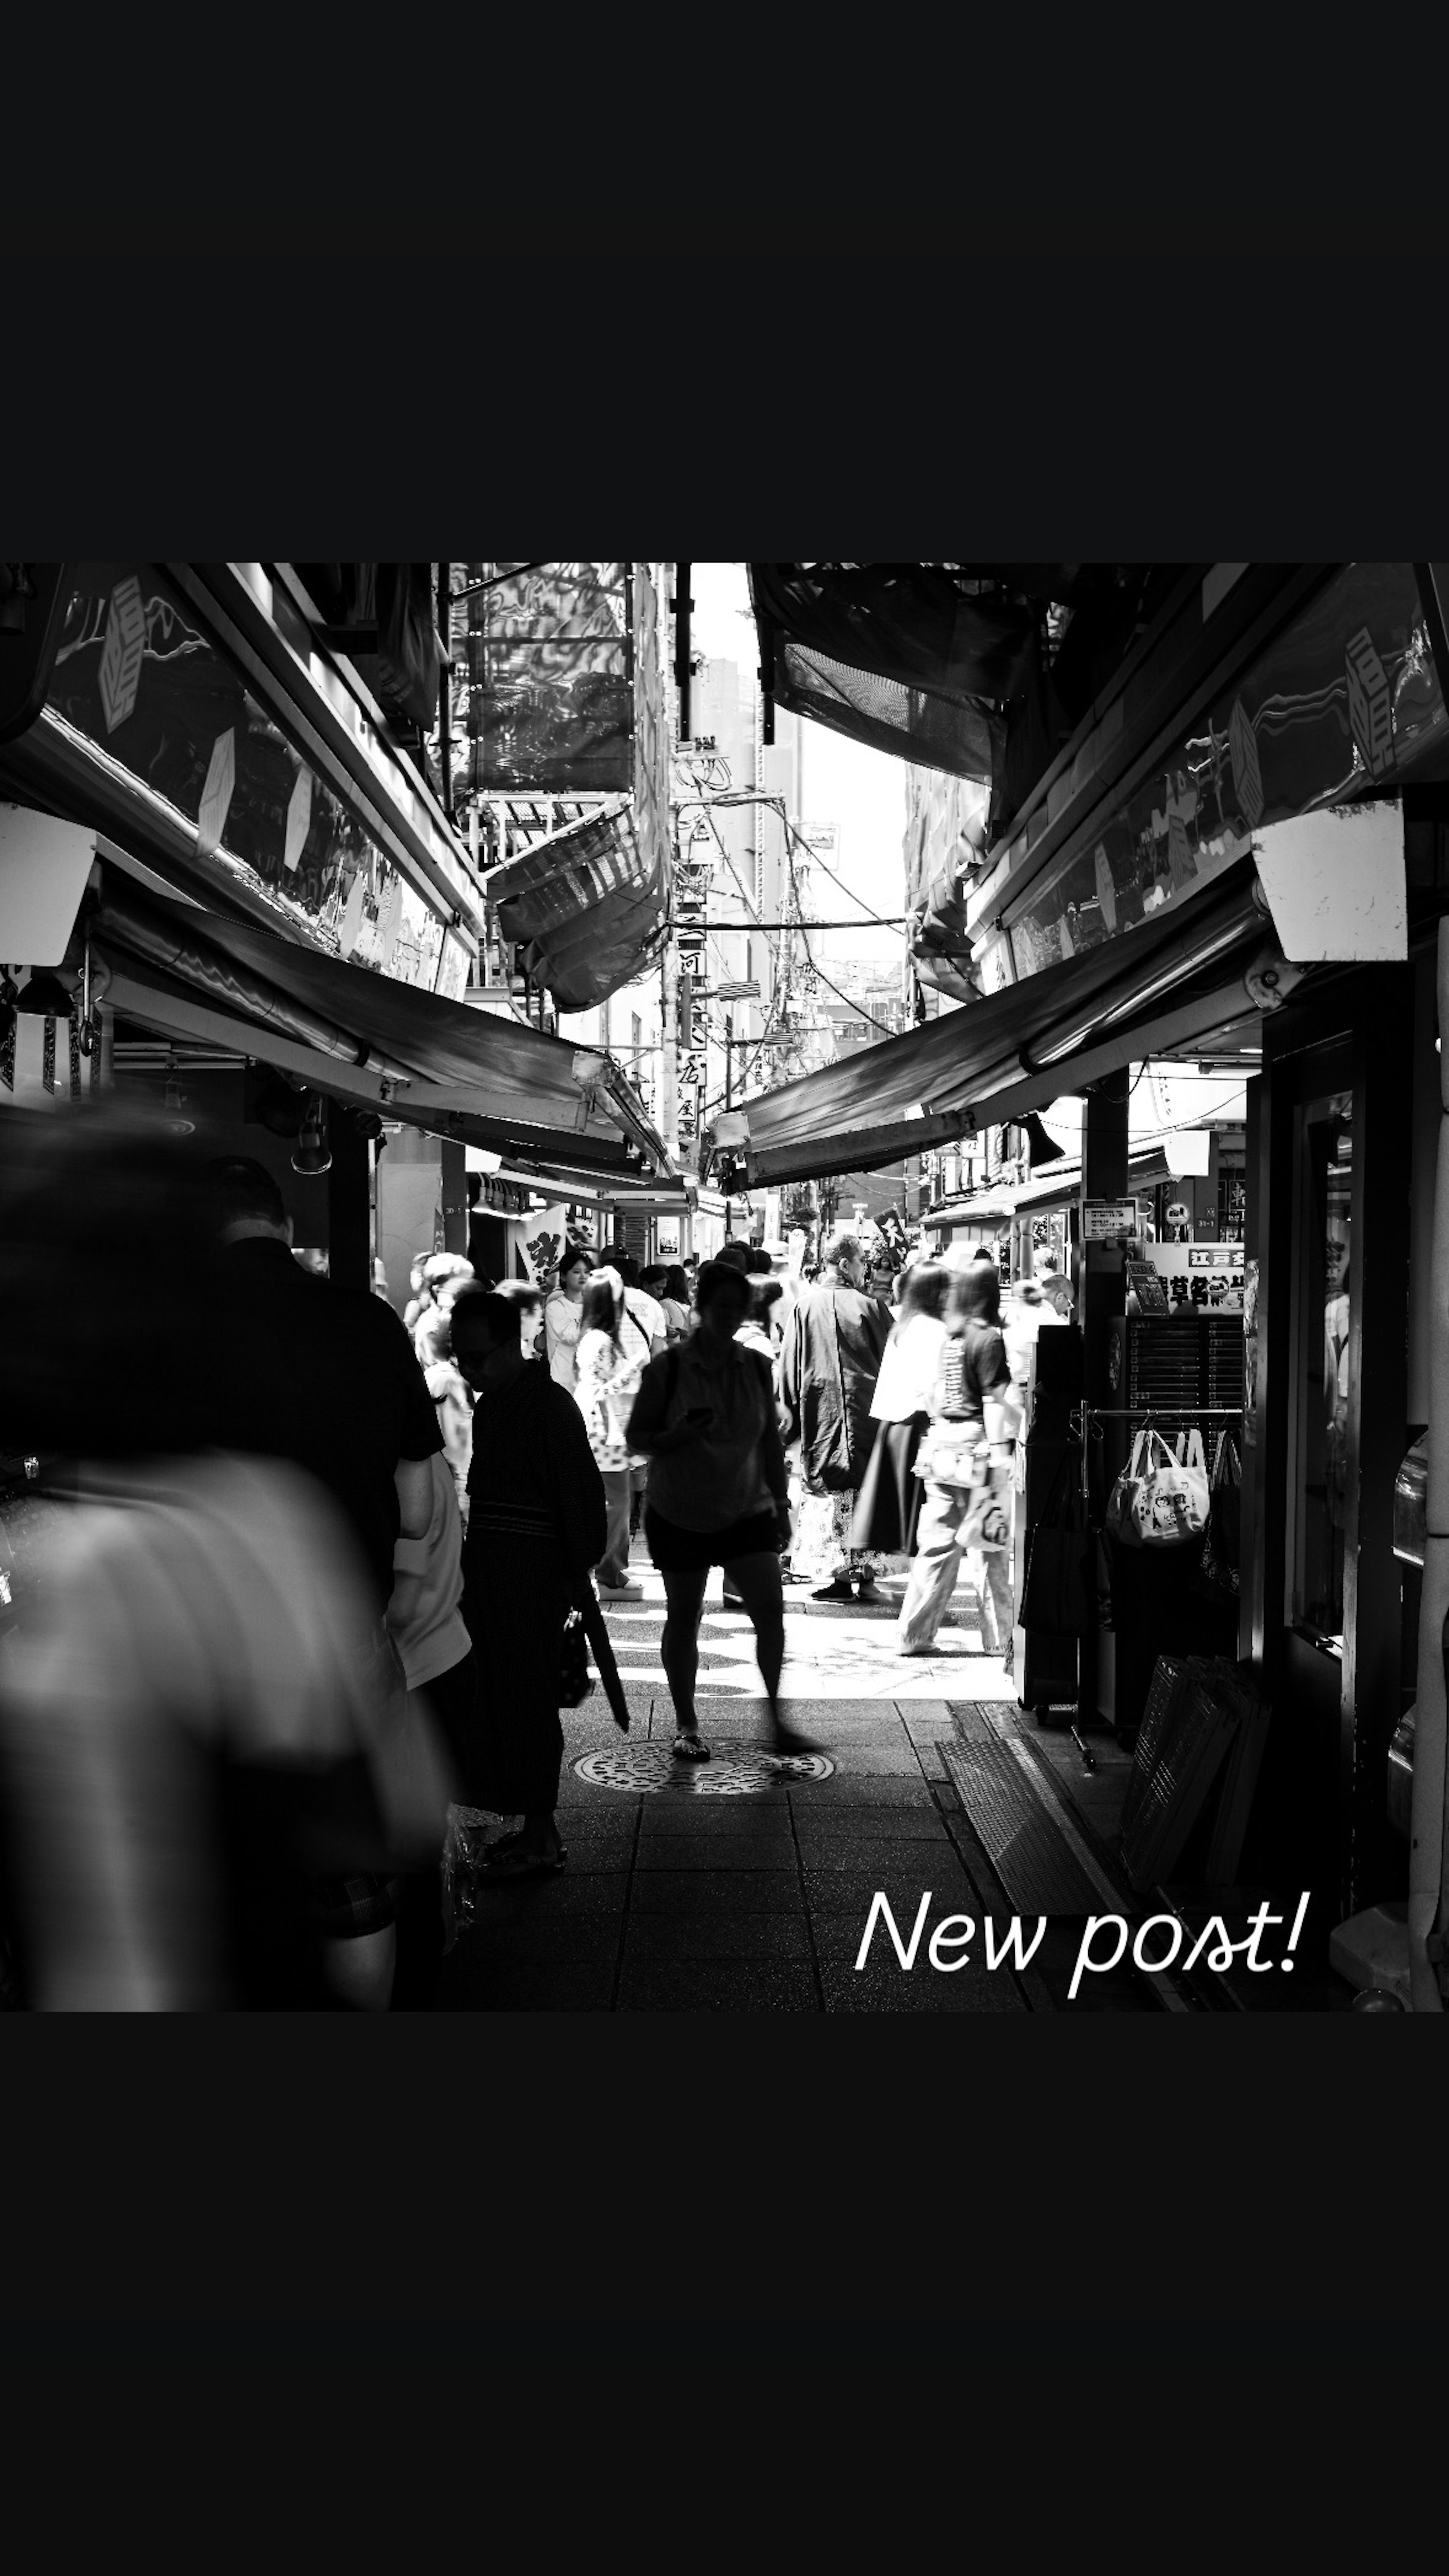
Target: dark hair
x=981, y=1254
x=715, y=1277
x=765, y=1294
x=244, y=1191
x=735, y=1256
x=923, y=1292
x=758, y=1262
x=626, y=1265
x=675, y=1284
x=485, y=1312
x=846, y=1247
x=600, y=1312
x=975, y=1293
x=573, y=1254
x=656, y=1272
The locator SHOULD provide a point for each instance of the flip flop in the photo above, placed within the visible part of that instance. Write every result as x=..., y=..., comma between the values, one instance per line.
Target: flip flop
x=690, y=1748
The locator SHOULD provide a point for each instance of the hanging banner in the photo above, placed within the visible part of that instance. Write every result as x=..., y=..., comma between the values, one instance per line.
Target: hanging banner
x=550, y=701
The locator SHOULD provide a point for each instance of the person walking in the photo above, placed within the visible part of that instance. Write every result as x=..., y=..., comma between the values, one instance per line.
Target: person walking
x=705, y=1415
x=677, y=1300
x=426, y=1624
x=563, y=1315
x=971, y=1406
x=890, y=1497
x=834, y=1343
x=198, y=1715
x=432, y=1340
x=537, y=1521
x=613, y=1352
x=327, y=1377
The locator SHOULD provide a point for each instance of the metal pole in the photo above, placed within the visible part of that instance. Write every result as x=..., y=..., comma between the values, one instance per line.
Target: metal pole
x=729, y=1053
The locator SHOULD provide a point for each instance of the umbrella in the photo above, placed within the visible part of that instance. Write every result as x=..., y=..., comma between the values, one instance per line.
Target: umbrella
x=597, y=1632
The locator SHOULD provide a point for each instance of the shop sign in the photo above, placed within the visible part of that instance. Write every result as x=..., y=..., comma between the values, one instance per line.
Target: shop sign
x=1108, y=1220
x=1346, y=698
x=140, y=679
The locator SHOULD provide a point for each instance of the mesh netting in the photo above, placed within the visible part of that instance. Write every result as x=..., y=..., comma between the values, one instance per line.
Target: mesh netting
x=939, y=732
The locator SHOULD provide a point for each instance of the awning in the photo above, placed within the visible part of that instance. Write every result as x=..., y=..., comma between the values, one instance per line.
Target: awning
x=587, y=906
x=1058, y=1189
x=1164, y=985
x=361, y=1037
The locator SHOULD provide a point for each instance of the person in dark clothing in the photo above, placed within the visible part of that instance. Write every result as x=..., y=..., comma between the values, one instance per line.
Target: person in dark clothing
x=537, y=1521
x=193, y=1719
x=327, y=1378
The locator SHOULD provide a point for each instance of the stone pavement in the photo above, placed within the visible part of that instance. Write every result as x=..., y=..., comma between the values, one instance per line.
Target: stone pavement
x=686, y=1897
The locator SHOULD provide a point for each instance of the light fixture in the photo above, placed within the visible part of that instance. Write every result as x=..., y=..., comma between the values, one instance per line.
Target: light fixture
x=313, y=1155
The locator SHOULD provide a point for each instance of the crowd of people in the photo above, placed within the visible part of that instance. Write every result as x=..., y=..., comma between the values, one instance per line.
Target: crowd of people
x=313, y=1562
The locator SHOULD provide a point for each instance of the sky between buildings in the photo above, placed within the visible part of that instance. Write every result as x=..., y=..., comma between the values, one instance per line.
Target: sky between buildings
x=862, y=791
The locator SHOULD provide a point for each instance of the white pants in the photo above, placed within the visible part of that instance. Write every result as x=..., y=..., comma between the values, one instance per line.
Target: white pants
x=935, y=1567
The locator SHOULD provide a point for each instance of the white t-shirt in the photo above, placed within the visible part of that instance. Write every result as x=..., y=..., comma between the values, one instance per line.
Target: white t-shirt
x=648, y=1312
x=908, y=1371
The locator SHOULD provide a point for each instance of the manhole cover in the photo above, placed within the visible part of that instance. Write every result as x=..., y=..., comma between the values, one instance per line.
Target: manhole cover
x=647, y=1767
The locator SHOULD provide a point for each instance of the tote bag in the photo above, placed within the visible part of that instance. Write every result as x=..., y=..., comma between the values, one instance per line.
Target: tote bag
x=1155, y=1502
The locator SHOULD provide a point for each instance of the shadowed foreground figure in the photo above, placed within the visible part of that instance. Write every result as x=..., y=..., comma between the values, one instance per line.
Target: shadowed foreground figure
x=536, y=1522
x=200, y=1717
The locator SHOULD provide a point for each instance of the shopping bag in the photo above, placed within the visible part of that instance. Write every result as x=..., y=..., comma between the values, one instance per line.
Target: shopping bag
x=1219, y=1575
x=1156, y=1502
x=954, y=1454
x=987, y=1525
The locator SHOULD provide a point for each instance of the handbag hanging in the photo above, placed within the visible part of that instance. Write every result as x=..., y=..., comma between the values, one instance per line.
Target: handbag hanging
x=1155, y=1502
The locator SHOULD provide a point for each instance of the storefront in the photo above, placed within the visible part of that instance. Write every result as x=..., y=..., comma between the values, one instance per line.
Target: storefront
x=1240, y=858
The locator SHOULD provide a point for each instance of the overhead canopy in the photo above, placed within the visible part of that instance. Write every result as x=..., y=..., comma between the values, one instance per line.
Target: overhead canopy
x=1164, y=985
x=587, y=906
x=895, y=655
x=359, y=1036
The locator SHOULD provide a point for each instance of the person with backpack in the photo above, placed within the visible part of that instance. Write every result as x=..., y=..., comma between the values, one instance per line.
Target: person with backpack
x=705, y=1416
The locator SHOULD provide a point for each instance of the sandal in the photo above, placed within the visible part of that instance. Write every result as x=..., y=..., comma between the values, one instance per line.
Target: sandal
x=690, y=1748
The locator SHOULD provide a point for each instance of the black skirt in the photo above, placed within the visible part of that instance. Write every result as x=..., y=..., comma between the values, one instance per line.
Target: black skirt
x=681, y=1551
x=890, y=1497
x=515, y=1602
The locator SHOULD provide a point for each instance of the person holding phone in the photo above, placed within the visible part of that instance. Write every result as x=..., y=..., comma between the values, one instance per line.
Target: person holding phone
x=717, y=1495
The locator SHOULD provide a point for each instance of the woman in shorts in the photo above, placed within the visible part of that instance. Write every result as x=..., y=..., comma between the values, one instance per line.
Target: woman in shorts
x=705, y=1417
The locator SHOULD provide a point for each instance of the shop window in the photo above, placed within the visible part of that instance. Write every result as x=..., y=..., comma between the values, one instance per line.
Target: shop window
x=1327, y=1290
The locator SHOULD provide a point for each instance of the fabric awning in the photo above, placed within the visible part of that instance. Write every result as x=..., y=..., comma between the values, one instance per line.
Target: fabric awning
x=363, y=1037
x=1162, y=985
x=587, y=906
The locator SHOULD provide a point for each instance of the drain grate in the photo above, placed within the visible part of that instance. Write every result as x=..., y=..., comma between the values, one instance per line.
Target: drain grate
x=1034, y=1862
x=744, y=1773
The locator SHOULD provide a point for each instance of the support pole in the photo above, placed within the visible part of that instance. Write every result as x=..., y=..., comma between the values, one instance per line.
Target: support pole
x=1427, y=1823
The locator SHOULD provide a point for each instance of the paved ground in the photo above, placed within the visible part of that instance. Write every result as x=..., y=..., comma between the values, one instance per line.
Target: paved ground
x=688, y=1898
